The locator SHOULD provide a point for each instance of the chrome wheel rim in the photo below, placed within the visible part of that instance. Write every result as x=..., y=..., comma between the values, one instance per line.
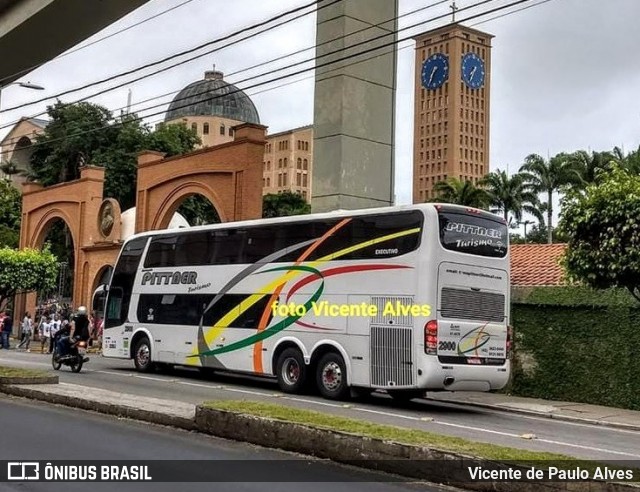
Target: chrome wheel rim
x=143, y=356
x=291, y=371
x=331, y=376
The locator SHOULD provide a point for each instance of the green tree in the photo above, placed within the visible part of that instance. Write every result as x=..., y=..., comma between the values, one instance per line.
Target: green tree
x=549, y=177
x=85, y=133
x=511, y=196
x=538, y=234
x=9, y=168
x=197, y=210
x=75, y=133
x=460, y=192
x=603, y=228
x=25, y=270
x=10, y=216
x=176, y=139
x=284, y=204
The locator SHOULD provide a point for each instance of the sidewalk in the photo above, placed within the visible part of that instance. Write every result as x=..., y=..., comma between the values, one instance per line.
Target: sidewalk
x=35, y=347
x=561, y=410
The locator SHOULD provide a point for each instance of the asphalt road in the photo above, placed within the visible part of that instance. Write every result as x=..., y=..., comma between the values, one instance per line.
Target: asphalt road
x=38, y=431
x=492, y=426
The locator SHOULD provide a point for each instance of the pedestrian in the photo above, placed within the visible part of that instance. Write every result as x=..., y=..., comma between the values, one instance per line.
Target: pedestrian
x=45, y=333
x=54, y=327
x=7, y=328
x=27, y=332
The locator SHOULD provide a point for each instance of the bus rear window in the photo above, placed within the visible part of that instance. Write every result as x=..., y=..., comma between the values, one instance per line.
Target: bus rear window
x=473, y=234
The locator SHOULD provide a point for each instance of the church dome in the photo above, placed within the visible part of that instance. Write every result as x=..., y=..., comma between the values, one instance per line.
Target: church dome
x=213, y=97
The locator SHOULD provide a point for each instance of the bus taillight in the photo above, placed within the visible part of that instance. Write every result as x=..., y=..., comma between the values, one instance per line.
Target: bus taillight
x=431, y=337
x=509, y=342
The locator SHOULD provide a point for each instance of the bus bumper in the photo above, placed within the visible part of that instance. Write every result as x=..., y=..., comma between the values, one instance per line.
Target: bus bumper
x=458, y=377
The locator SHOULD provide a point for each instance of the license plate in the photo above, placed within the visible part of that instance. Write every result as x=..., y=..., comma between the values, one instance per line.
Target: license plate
x=471, y=360
x=81, y=351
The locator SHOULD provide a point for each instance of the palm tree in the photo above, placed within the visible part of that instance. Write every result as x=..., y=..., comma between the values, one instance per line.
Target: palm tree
x=549, y=177
x=590, y=165
x=511, y=195
x=460, y=192
x=631, y=162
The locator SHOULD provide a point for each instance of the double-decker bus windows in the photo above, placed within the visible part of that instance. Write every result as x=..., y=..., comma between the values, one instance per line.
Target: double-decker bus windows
x=162, y=252
x=229, y=247
x=194, y=248
x=360, y=230
x=252, y=244
x=473, y=234
x=122, y=282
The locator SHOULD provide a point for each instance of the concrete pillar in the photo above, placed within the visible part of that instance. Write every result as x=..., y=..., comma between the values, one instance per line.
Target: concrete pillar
x=354, y=107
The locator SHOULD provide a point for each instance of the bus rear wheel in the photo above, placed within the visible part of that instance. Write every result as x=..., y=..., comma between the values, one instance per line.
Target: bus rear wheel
x=331, y=377
x=291, y=371
x=142, y=355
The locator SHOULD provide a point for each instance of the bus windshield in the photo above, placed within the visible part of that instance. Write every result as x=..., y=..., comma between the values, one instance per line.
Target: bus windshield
x=472, y=233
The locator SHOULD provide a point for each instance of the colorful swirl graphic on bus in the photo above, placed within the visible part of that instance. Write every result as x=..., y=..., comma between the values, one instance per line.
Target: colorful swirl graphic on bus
x=274, y=288
x=473, y=340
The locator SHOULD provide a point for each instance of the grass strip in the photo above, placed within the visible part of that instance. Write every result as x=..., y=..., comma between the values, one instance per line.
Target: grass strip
x=387, y=432
x=18, y=372
x=492, y=452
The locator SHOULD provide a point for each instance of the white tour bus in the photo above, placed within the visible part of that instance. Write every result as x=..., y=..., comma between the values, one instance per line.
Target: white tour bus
x=405, y=299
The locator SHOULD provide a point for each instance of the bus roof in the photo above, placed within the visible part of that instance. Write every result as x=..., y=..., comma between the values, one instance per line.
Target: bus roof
x=333, y=214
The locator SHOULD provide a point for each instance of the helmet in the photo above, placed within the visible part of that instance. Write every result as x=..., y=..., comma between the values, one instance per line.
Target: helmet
x=82, y=310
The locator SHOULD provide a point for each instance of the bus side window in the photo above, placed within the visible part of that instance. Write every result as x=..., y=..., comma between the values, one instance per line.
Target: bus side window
x=229, y=247
x=119, y=295
x=114, y=307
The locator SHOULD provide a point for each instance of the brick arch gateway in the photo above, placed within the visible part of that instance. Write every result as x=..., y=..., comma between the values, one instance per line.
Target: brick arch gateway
x=228, y=175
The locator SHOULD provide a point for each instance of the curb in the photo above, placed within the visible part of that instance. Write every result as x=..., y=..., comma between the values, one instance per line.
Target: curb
x=150, y=416
x=415, y=462
x=565, y=418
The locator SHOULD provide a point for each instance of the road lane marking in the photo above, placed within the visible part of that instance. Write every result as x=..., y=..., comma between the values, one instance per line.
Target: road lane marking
x=589, y=448
x=208, y=386
x=151, y=378
x=388, y=414
x=304, y=400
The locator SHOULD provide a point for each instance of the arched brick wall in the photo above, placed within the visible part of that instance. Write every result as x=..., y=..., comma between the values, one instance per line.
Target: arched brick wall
x=78, y=204
x=228, y=175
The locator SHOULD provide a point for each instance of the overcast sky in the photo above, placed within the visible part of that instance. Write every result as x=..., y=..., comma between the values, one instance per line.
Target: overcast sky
x=566, y=74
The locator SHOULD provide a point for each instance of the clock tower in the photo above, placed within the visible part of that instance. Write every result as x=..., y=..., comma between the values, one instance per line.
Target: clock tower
x=451, y=119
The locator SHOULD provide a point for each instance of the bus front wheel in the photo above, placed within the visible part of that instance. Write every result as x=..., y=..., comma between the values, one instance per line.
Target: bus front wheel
x=331, y=377
x=142, y=355
x=291, y=371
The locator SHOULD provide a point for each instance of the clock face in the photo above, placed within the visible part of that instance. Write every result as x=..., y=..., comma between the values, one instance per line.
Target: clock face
x=473, y=70
x=435, y=71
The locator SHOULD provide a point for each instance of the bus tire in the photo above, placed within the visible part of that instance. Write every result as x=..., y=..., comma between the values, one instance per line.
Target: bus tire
x=291, y=371
x=331, y=377
x=142, y=355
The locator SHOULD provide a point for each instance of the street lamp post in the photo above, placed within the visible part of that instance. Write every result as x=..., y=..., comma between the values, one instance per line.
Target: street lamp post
x=526, y=223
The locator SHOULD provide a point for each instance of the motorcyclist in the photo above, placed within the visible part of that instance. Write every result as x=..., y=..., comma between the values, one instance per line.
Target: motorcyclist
x=77, y=330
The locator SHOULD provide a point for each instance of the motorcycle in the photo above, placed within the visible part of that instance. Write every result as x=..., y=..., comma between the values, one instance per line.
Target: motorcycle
x=75, y=358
